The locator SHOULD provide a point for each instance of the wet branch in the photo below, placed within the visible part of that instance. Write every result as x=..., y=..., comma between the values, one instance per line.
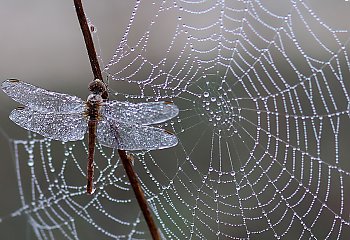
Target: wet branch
x=127, y=163
x=140, y=196
x=95, y=66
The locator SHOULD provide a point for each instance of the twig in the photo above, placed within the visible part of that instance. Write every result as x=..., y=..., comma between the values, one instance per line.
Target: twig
x=95, y=66
x=127, y=163
x=140, y=196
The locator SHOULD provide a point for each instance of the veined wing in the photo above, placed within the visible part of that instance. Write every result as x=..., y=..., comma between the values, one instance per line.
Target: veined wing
x=140, y=113
x=57, y=126
x=114, y=134
x=40, y=99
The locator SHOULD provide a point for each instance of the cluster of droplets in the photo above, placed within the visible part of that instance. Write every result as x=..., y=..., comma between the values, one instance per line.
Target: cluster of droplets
x=217, y=105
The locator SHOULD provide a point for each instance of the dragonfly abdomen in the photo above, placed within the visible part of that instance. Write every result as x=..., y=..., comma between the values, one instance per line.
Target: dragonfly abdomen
x=93, y=105
x=92, y=124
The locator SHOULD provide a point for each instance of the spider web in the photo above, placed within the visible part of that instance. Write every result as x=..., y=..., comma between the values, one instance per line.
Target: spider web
x=263, y=130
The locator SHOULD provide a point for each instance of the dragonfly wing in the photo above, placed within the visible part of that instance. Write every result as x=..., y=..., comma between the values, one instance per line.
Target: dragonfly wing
x=40, y=99
x=57, y=126
x=106, y=134
x=140, y=113
x=125, y=136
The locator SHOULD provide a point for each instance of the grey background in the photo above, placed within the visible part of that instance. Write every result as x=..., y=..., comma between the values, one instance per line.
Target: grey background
x=41, y=43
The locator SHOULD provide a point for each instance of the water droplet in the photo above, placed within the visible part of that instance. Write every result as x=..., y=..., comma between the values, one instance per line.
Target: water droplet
x=206, y=94
x=213, y=99
x=92, y=28
x=30, y=163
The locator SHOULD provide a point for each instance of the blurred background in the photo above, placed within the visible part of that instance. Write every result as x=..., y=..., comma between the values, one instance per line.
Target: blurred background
x=41, y=43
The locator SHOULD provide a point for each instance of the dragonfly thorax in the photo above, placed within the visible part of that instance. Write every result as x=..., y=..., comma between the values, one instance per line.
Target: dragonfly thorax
x=97, y=87
x=94, y=99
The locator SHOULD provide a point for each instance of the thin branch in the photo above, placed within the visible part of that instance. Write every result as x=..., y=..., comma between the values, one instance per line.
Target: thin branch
x=95, y=66
x=140, y=196
x=127, y=163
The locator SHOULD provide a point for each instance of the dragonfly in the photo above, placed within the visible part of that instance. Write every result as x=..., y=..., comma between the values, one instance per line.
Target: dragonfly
x=115, y=124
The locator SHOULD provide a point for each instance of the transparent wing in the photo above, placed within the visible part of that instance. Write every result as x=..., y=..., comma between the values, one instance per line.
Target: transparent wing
x=125, y=136
x=40, y=99
x=58, y=126
x=140, y=113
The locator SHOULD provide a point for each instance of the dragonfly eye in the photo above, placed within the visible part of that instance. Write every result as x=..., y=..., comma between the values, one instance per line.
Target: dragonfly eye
x=97, y=86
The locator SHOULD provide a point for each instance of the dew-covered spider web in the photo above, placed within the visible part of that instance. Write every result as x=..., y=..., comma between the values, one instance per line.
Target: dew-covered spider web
x=263, y=91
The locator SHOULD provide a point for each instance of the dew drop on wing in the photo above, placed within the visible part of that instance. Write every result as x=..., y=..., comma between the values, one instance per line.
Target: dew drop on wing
x=140, y=113
x=40, y=99
x=114, y=134
x=57, y=126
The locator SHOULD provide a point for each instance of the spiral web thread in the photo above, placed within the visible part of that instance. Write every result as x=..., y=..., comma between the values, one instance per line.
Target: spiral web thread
x=263, y=130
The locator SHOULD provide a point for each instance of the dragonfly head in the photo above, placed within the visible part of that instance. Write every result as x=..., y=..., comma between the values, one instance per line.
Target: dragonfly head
x=97, y=87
